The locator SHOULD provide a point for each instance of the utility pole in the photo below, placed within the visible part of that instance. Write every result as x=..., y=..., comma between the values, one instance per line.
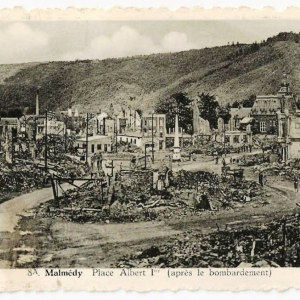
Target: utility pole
x=102, y=194
x=12, y=147
x=224, y=137
x=145, y=157
x=46, y=142
x=87, y=138
x=66, y=138
x=66, y=132
x=35, y=129
x=116, y=132
x=152, y=146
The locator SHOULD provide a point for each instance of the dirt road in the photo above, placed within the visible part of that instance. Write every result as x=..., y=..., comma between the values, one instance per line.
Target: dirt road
x=12, y=210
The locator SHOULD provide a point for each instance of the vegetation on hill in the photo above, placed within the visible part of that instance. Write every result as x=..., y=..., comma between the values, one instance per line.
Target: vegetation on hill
x=233, y=72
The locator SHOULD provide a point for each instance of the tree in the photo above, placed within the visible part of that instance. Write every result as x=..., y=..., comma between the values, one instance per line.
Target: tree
x=224, y=112
x=208, y=109
x=181, y=104
x=246, y=102
x=235, y=104
x=249, y=102
x=15, y=113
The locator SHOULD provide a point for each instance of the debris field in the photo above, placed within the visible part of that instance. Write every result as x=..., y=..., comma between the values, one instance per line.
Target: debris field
x=275, y=244
x=189, y=193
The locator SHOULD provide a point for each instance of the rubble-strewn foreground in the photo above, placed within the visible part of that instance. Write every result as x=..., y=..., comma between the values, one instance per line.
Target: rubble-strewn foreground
x=276, y=244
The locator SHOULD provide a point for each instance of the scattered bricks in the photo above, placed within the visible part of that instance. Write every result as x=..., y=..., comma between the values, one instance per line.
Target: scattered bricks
x=150, y=252
x=18, y=178
x=256, y=159
x=263, y=246
x=190, y=193
x=285, y=170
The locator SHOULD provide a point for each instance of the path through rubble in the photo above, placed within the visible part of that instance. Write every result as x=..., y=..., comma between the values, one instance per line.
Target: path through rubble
x=12, y=210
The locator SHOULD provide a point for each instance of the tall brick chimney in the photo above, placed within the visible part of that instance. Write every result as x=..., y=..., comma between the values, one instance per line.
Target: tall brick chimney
x=37, y=108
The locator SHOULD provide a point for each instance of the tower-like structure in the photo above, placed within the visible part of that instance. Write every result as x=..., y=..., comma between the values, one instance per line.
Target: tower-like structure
x=285, y=86
x=176, y=147
x=37, y=105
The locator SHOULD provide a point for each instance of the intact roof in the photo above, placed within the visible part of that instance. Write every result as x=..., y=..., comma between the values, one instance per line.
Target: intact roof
x=93, y=138
x=131, y=134
x=240, y=113
x=266, y=105
x=272, y=103
x=246, y=120
x=9, y=121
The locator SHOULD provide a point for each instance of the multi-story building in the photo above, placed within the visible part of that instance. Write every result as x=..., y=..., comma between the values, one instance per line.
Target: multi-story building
x=34, y=127
x=128, y=121
x=6, y=125
x=155, y=125
x=265, y=108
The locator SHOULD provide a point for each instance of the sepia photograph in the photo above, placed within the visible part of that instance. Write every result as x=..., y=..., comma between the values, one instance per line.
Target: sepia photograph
x=149, y=144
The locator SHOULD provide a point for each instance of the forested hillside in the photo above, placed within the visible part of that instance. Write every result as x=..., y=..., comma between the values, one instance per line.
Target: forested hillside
x=232, y=72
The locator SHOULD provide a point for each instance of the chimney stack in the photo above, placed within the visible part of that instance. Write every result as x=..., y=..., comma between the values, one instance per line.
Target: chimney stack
x=37, y=108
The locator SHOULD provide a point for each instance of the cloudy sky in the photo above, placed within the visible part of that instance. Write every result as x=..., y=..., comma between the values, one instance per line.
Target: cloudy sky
x=69, y=40
x=172, y=4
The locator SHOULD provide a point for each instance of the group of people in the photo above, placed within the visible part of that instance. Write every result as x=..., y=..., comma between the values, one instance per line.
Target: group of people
x=245, y=148
x=223, y=161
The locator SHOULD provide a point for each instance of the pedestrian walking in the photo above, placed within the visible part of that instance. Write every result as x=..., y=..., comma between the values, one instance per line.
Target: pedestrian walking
x=224, y=162
x=261, y=178
x=296, y=183
x=217, y=160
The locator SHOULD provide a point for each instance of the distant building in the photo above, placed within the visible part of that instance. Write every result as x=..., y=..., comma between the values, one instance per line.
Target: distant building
x=96, y=124
x=240, y=118
x=96, y=144
x=34, y=127
x=155, y=124
x=134, y=138
x=109, y=126
x=238, y=138
x=70, y=112
x=6, y=125
x=264, y=110
x=128, y=120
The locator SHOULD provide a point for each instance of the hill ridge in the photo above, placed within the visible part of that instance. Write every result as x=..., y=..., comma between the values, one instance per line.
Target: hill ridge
x=231, y=72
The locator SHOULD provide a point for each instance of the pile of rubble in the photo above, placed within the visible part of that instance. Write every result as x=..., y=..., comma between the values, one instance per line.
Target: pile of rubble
x=190, y=194
x=128, y=148
x=255, y=159
x=264, y=142
x=57, y=145
x=285, y=170
x=26, y=175
x=66, y=165
x=19, y=177
x=276, y=244
x=212, y=192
